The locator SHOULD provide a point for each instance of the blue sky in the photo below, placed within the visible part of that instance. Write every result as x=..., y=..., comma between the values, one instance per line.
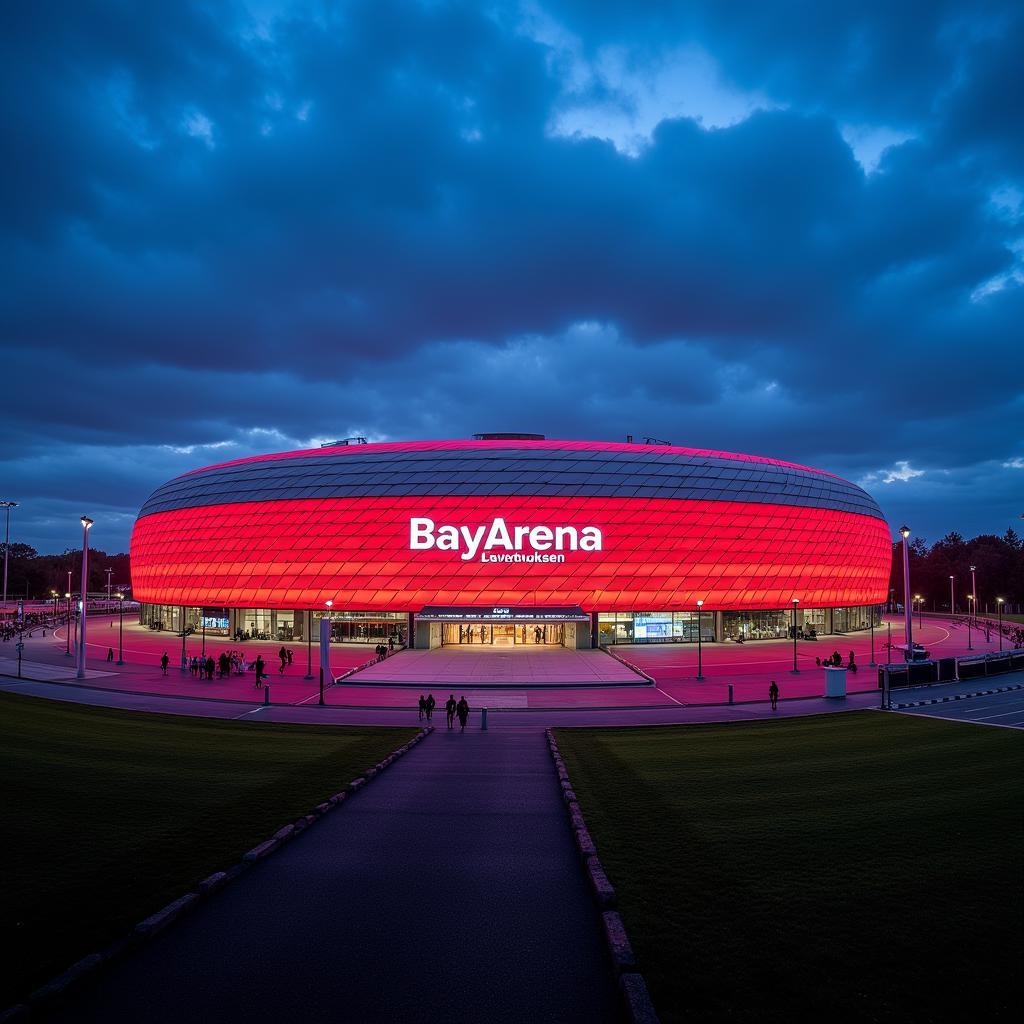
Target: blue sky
x=791, y=229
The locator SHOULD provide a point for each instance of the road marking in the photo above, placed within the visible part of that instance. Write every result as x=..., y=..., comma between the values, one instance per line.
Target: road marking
x=253, y=712
x=961, y=721
x=670, y=697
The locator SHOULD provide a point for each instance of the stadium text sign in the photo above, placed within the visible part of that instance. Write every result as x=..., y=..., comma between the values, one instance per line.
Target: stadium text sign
x=500, y=542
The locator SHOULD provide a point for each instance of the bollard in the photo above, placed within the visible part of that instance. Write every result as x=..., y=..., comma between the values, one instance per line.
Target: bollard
x=266, y=694
x=730, y=693
x=483, y=719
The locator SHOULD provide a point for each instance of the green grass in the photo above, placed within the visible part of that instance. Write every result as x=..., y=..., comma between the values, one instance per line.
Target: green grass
x=838, y=868
x=107, y=815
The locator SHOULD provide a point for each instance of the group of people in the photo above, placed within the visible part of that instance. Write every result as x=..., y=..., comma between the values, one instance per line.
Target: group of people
x=383, y=650
x=835, y=660
x=453, y=709
x=228, y=663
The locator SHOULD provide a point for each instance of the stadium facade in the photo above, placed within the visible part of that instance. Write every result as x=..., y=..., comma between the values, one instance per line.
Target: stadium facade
x=511, y=539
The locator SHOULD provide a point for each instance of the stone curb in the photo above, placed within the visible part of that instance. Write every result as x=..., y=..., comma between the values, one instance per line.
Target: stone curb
x=957, y=696
x=636, y=999
x=145, y=930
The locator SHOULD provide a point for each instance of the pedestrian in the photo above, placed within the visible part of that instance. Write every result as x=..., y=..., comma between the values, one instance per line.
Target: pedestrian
x=210, y=666
x=852, y=666
x=449, y=707
x=462, y=710
x=259, y=666
x=431, y=704
x=164, y=662
x=423, y=706
x=391, y=643
x=283, y=655
x=291, y=654
x=773, y=695
x=110, y=654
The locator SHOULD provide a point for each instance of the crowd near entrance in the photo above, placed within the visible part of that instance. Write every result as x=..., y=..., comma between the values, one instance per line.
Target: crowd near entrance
x=504, y=634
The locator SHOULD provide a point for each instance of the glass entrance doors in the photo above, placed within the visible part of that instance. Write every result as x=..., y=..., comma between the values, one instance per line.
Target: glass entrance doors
x=504, y=634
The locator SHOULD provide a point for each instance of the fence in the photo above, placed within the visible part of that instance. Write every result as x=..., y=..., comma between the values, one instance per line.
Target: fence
x=947, y=670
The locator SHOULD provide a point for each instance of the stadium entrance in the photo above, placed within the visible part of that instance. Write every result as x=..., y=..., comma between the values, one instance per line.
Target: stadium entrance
x=502, y=626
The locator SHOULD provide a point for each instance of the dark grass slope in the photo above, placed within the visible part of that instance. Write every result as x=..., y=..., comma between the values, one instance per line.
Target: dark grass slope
x=846, y=867
x=107, y=815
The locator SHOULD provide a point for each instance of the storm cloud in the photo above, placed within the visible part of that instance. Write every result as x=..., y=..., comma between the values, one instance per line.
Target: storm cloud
x=235, y=228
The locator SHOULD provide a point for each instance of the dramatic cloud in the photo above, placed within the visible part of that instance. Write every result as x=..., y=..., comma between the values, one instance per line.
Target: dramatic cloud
x=242, y=228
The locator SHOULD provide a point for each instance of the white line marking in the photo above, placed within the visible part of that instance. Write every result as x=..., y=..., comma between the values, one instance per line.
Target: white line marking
x=670, y=697
x=962, y=721
x=253, y=712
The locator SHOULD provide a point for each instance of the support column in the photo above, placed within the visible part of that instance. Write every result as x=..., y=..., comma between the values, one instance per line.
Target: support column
x=410, y=634
x=595, y=634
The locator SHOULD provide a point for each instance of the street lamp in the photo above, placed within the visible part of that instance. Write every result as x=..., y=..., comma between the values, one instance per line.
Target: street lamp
x=908, y=613
x=970, y=598
x=974, y=595
x=86, y=526
x=952, y=606
x=796, y=601
x=120, y=629
x=920, y=610
x=999, y=612
x=700, y=657
x=309, y=643
x=184, y=656
x=330, y=604
x=872, y=611
x=109, y=572
x=7, y=506
x=67, y=597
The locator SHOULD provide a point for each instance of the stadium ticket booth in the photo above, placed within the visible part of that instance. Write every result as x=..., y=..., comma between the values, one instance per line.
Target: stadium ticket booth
x=515, y=628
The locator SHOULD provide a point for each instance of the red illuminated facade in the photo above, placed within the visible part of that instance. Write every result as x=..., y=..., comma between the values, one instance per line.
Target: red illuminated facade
x=634, y=535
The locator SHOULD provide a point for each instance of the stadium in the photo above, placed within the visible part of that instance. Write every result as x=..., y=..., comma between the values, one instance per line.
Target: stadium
x=511, y=539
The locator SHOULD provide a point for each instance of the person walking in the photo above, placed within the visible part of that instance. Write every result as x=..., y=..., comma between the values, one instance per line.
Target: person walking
x=164, y=662
x=283, y=655
x=259, y=666
x=210, y=666
x=291, y=654
x=423, y=706
x=431, y=704
x=773, y=695
x=462, y=710
x=449, y=708
x=110, y=653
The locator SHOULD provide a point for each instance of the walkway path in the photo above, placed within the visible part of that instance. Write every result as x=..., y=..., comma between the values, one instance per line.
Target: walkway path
x=449, y=890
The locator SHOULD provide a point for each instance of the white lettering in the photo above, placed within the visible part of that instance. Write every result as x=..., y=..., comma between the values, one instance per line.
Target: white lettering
x=473, y=541
x=540, y=538
x=421, y=534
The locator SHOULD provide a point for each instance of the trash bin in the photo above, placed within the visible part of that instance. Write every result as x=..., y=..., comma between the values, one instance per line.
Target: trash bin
x=835, y=682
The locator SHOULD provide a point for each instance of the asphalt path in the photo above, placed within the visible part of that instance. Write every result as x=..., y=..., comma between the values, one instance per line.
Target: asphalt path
x=449, y=890
x=1003, y=710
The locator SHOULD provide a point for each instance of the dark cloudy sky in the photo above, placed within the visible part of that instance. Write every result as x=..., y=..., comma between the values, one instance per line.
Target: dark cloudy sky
x=794, y=229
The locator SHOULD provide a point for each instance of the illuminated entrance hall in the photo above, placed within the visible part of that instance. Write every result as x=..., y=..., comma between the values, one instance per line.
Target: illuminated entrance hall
x=503, y=634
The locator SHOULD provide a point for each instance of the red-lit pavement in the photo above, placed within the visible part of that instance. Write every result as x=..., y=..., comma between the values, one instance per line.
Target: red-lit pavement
x=749, y=668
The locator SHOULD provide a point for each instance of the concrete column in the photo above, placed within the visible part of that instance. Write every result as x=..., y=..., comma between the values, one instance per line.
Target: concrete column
x=410, y=631
x=595, y=634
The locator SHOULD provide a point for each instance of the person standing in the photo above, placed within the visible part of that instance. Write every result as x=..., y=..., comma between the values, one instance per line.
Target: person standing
x=164, y=662
x=431, y=704
x=462, y=710
x=773, y=695
x=110, y=652
x=291, y=654
x=423, y=706
x=283, y=655
x=449, y=708
x=210, y=666
x=259, y=666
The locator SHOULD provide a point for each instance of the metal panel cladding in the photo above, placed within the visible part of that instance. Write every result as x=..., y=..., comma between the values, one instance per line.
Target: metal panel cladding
x=603, y=525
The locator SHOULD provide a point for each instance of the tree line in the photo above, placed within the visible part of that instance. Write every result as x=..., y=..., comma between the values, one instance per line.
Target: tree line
x=999, y=571
x=33, y=576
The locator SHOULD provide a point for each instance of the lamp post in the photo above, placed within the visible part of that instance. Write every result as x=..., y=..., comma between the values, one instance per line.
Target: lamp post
x=999, y=612
x=202, y=615
x=908, y=614
x=952, y=606
x=920, y=610
x=700, y=655
x=873, y=662
x=67, y=598
x=184, y=656
x=7, y=506
x=109, y=573
x=329, y=604
x=120, y=629
x=970, y=612
x=974, y=595
x=309, y=643
x=86, y=526
x=796, y=601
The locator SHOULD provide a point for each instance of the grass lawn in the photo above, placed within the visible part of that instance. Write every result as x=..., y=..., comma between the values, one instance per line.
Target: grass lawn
x=108, y=815
x=846, y=867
